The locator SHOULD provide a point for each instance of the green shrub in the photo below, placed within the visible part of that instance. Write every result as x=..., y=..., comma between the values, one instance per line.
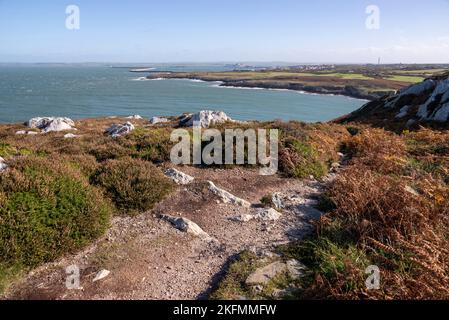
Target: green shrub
x=300, y=159
x=132, y=184
x=47, y=208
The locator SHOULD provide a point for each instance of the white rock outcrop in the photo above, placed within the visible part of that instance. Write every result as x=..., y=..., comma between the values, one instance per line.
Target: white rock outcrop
x=179, y=177
x=227, y=197
x=205, y=119
x=134, y=117
x=120, y=130
x=49, y=124
x=156, y=120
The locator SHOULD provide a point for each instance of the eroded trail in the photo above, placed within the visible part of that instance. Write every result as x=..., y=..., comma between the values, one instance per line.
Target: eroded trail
x=148, y=258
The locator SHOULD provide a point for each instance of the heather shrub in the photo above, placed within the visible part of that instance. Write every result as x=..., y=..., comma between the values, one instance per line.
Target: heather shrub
x=132, y=184
x=154, y=145
x=47, y=208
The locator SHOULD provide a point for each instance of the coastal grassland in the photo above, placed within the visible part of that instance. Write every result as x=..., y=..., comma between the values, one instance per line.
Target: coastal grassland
x=367, y=82
x=406, y=78
x=387, y=208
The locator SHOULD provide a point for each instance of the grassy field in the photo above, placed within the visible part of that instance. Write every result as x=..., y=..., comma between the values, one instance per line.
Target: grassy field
x=410, y=79
x=367, y=82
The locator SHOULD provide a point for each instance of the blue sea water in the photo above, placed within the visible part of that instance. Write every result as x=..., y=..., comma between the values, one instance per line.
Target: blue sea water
x=99, y=90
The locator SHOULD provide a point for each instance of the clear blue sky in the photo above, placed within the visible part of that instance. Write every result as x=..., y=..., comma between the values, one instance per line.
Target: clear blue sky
x=224, y=30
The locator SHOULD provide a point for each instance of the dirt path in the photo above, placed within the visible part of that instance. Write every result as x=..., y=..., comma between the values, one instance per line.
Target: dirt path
x=149, y=259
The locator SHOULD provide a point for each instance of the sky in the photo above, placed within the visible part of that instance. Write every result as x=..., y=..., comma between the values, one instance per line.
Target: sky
x=318, y=31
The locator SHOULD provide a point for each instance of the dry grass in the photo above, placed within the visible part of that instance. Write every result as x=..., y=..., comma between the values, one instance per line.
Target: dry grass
x=395, y=214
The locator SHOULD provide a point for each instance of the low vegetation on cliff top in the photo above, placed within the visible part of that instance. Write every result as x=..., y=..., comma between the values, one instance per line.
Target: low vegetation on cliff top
x=387, y=208
x=59, y=194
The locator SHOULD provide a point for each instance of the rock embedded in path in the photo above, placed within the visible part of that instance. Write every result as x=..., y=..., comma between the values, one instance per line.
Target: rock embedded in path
x=120, y=130
x=267, y=214
x=205, y=119
x=101, y=275
x=51, y=124
x=186, y=225
x=277, y=200
x=262, y=276
x=261, y=214
x=179, y=177
x=227, y=197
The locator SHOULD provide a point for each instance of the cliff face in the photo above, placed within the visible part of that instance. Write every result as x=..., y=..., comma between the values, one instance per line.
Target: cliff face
x=425, y=102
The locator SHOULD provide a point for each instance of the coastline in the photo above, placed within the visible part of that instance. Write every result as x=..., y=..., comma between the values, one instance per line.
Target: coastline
x=348, y=91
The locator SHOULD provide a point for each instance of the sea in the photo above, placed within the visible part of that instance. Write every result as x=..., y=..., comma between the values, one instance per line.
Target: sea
x=99, y=90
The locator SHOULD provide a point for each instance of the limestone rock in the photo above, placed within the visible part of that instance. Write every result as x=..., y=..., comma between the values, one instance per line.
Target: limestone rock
x=261, y=214
x=179, y=177
x=134, y=117
x=156, y=120
x=263, y=275
x=227, y=197
x=277, y=200
x=120, y=130
x=186, y=225
x=425, y=101
x=49, y=124
x=205, y=119
x=267, y=214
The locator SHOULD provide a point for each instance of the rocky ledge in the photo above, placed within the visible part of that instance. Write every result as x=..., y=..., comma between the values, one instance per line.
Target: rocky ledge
x=424, y=102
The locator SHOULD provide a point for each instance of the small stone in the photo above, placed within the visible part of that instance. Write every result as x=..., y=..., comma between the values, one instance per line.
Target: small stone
x=179, y=177
x=268, y=214
x=227, y=197
x=70, y=136
x=276, y=199
x=101, y=275
x=263, y=275
x=134, y=117
x=295, y=269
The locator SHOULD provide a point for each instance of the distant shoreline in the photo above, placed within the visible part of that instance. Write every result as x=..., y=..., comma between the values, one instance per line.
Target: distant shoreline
x=317, y=90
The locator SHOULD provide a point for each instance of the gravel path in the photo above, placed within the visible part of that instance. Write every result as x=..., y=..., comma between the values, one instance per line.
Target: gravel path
x=149, y=259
